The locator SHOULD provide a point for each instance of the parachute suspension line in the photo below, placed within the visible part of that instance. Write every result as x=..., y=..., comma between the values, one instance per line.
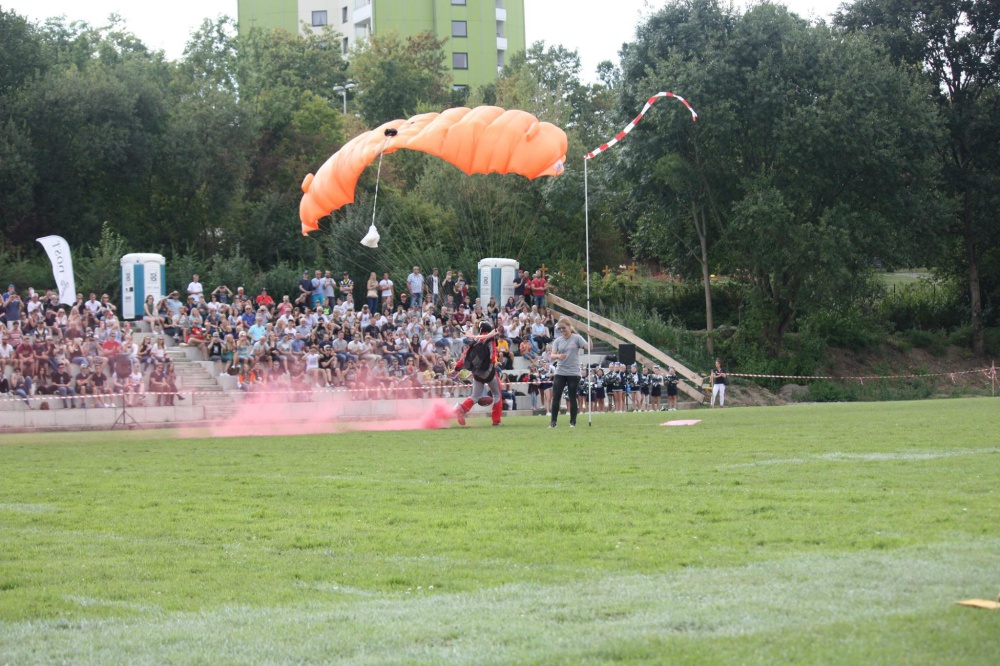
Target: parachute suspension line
x=378, y=172
x=586, y=226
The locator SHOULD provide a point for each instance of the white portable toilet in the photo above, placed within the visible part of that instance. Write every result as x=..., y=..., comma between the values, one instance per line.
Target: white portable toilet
x=143, y=273
x=496, y=279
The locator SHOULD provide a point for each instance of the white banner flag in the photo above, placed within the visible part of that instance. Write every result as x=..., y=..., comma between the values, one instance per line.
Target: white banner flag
x=62, y=267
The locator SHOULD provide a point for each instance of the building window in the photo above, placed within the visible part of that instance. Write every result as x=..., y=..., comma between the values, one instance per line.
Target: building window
x=460, y=88
x=459, y=29
x=460, y=61
x=500, y=59
x=344, y=45
x=458, y=2
x=343, y=14
x=319, y=19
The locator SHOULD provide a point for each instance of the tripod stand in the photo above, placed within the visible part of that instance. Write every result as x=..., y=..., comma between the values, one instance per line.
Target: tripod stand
x=125, y=420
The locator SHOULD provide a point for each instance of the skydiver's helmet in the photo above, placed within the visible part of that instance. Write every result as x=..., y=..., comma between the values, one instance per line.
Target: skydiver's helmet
x=484, y=328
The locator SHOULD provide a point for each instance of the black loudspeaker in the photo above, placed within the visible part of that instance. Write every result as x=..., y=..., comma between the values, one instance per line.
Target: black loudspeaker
x=626, y=354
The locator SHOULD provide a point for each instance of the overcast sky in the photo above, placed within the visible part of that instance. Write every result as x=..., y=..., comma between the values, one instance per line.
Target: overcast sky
x=583, y=25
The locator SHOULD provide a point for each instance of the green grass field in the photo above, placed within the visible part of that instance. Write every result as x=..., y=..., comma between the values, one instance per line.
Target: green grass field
x=833, y=534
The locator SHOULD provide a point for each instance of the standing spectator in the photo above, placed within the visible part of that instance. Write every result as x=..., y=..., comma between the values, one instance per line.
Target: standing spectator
x=329, y=285
x=434, y=287
x=305, y=289
x=12, y=307
x=371, y=293
x=520, y=280
x=347, y=289
x=11, y=290
x=719, y=380
x=539, y=286
x=415, y=283
x=448, y=287
x=385, y=285
x=566, y=350
x=318, y=296
x=195, y=289
x=461, y=289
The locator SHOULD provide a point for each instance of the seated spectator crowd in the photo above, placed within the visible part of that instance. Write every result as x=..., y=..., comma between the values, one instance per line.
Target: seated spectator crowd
x=403, y=344
x=41, y=340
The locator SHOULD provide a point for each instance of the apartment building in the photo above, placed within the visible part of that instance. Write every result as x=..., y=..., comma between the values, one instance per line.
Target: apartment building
x=480, y=34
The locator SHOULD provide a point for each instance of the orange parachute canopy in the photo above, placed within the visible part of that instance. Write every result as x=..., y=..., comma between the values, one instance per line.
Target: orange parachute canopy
x=486, y=139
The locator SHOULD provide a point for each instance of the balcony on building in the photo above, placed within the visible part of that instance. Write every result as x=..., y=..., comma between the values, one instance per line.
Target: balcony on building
x=362, y=11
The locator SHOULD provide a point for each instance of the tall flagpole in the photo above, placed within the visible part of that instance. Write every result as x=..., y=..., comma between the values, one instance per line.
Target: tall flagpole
x=586, y=199
x=590, y=345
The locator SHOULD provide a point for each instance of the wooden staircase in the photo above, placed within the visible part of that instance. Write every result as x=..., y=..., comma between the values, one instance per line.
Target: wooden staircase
x=614, y=334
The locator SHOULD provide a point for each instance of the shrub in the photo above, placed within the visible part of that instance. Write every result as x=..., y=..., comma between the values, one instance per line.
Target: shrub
x=847, y=328
x=992, y=337
x=925, y=305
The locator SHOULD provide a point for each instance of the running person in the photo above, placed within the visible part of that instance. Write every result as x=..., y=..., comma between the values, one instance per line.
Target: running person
x=480, y=381
x=566, y=349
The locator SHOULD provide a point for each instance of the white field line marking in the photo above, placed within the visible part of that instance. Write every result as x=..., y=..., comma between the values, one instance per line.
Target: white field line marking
x=836, y=456
x=527, y=622
x=15, y=507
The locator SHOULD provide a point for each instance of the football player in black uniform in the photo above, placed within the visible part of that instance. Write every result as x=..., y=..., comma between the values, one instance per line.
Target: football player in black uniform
x=671, y=381
x=611, y=386
x=633, y=387
x=655, y=380
x=598, y=380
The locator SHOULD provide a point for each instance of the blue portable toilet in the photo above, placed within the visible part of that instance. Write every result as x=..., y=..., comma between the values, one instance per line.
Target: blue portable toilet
x=143, y=274
x=496, y=279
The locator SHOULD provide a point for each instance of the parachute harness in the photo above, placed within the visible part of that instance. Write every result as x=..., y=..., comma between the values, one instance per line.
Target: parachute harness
x=371, y=238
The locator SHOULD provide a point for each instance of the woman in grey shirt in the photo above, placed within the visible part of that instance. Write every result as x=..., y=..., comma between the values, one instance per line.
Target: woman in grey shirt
x=566, y=350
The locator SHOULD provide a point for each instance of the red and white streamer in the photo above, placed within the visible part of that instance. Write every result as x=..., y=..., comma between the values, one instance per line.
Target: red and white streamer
x=628, y=128
x=864, y=377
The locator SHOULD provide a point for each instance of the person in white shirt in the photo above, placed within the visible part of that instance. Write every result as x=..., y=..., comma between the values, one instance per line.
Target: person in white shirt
x=195, y=289
x=385, y=286
x=329, y=286
x=93, y=305
x=415, y=282
x=435, y=287
x=6, y=356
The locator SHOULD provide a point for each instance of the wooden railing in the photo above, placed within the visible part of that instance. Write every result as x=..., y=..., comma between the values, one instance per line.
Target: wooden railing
x=616, y=334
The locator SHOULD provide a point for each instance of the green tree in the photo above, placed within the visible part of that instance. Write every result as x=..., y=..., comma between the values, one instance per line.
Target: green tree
x=813, y=153
x=396, y=76
x=88, y=129
x=955, y=43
